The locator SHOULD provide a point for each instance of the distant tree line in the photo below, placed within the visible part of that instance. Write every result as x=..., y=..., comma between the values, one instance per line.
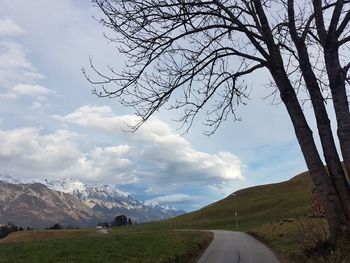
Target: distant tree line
x=5, y=230
x=120, y=220
x=58, y=226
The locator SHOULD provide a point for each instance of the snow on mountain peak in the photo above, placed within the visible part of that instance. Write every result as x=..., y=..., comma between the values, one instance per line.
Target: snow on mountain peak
x=83, y=191
x=152, y=203
x=156, y=204
x=108, y=190
x=104, y=198
x=66, y=185
x=8, y=179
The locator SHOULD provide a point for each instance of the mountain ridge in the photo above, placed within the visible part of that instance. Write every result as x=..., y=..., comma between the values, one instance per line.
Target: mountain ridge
x=103, y=201
x=37, y=206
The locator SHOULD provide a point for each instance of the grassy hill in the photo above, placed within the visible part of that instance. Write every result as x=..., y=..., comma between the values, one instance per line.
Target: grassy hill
x=255, y=206
x=277, y=214
x=272, y=213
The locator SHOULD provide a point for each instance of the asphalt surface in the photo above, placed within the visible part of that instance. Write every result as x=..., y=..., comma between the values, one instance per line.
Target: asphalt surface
x=236, y=247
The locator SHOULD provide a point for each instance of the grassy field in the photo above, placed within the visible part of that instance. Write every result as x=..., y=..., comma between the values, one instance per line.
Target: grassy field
x=120, y=245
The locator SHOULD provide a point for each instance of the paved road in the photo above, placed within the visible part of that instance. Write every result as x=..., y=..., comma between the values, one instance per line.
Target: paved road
x=236, y=247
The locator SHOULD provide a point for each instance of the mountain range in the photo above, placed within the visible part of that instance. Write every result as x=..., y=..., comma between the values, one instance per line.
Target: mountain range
x=41, y=203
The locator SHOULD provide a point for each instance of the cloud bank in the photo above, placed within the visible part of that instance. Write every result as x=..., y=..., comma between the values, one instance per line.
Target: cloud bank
x=155, y=157
x=27, y=153
x=171, y=157
x=9, y=28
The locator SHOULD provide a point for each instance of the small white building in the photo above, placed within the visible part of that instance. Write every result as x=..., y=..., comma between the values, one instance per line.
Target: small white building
x=101, y=230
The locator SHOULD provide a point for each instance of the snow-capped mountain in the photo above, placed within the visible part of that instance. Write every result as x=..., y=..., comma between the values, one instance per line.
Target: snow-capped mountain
x=36, y=205
x=164, y=208
x=66, y=185
x=104, y=201
x=8, y=179
x=83, y=191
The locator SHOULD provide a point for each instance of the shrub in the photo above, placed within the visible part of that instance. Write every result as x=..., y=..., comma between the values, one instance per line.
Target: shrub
x=121, y=220
x=314, y=239
x=55, y=227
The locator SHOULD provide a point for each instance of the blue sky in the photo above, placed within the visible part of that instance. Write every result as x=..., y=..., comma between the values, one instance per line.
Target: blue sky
x=51, y=126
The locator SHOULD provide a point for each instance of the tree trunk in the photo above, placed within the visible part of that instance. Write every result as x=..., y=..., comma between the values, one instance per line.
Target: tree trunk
x=330, y=152
x=334, y=212
x=323, y=183
x=336, y=77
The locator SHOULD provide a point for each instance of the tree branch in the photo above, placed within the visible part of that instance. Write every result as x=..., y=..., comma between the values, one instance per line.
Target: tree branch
x=335, y=18
x=320, y=21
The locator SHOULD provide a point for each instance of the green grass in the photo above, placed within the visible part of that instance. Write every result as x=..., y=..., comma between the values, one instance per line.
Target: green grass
x=117, y=246
x=256, y=206
x=270, y=212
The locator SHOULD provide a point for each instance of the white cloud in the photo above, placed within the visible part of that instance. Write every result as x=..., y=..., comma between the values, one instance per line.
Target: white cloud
x=36, y=105
x=103, y=165
x=13, y=56
x=25, y=152
x=166, y=156
x=8, y=95
x=9, y=27
x=173, y=198
x=25, y=149
x=15, y=67
x=29, y=153
x=31, y=90
x=101, y=118
x=27, y=90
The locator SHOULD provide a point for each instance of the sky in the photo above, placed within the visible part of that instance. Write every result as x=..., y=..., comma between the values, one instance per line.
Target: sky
x=51, y=126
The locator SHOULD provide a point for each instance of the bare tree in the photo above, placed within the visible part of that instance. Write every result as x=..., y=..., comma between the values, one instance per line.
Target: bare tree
x=193, y=56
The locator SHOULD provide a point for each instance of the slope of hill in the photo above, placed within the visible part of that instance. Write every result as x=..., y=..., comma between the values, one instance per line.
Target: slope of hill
x=255, y=206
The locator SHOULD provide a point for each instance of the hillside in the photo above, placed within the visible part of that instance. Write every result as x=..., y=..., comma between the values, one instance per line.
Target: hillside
x=255, y=206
